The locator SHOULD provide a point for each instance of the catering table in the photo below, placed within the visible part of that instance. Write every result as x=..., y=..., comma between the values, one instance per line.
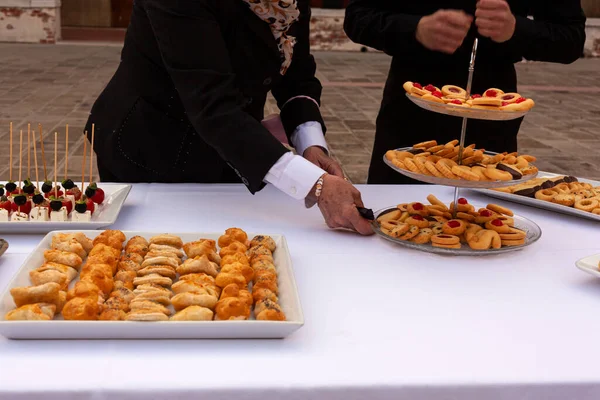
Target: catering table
x=382, y=322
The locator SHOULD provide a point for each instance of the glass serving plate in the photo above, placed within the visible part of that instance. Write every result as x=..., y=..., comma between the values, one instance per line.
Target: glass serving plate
x=461, y=183
x=466, y=112
x=534, y=233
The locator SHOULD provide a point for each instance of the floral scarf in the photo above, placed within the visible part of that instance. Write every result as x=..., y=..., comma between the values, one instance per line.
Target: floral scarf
x=280, y=15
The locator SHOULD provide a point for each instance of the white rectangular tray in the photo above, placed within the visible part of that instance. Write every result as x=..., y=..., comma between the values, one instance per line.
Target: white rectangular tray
x=105, y=215
x=546, y=205
x=590, y=265
x=251, y=329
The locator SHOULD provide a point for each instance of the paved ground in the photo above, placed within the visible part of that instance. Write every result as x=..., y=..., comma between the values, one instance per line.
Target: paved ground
x=56, y=85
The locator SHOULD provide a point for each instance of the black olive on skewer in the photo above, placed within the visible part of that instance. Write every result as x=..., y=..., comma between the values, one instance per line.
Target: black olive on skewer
x=56, y=205
x=10, y=187
x=28, y=187
x=38, y=198
x=81, y=207
x=47, y=187
x=68, y=184
x=20, y=199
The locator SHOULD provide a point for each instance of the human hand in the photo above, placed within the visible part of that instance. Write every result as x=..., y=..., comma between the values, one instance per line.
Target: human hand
x=495, y=20
x=444, y=30
x=338, y=202
x=318, y=156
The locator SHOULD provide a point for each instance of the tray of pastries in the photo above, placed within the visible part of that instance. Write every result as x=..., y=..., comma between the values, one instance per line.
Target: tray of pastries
x=465, y=230
x=436, y=163
x=559, y=193
x=142, y=285
x=493, y=104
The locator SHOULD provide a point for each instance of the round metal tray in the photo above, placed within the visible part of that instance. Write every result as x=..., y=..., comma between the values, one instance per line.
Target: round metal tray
x=534, y=233
x=466, y=112
x=461, y=183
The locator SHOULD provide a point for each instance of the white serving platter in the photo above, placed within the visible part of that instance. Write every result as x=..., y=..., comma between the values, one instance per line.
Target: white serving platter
x=590, y=265
x=546, y=205
x=289, y=301
x=105, y=215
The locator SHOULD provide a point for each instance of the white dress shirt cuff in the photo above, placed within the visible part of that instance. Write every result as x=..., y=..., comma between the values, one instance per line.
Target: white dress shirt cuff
x=308, y=134
x=294, y=175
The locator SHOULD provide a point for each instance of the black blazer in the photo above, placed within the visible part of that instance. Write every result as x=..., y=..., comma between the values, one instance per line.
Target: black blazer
x=557, y=33
x=186, y=101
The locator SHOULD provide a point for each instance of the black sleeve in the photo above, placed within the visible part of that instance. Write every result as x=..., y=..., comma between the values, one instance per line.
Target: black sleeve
x=300, y=80
x=375, y=24
x=556, y=34
x=196, y=57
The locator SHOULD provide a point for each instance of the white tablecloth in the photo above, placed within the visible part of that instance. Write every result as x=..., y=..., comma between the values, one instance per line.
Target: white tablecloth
x=382, y=322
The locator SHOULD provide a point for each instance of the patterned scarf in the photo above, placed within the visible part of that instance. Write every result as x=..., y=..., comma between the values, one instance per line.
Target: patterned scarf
x=280, y=15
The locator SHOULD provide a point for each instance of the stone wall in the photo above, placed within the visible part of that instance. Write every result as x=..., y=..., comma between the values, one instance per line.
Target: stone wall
x=30, y=21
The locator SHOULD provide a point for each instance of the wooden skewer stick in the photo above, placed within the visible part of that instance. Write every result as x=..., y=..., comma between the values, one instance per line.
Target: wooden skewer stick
x=28, y=151
x=20, y=156
x=55, y=164
x=10, y=158
x=92, y=156
x=43, y=154
x=67, y=152
x=37, y=177
x=85, y=140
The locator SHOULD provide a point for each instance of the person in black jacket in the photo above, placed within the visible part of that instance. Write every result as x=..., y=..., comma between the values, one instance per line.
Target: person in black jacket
x=431, y=42
x=187, y=100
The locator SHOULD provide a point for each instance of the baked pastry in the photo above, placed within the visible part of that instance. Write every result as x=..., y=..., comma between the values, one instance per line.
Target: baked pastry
x=186, y=299
x=263, y=240
x=81, y=309
x=111, y=238
x=46, y=293
x=193, y=313
x=32, y=312
x=198, y=264
x=202, y=247
x=231, y=308
x=63, y=257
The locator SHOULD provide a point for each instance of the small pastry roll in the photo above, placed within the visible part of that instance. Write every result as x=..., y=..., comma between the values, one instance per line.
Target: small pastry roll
x=63, y=257
x=98, y=278
x=232, y=308
x=112, y=314
x=263, y=240
x=202, y=247
x=161, y=247
x=186, y=299
x=128, y=266
x=32, y=312
x=126, y=277
x=245, y=270
x=85, y=242
x=81, y=309
x=193, y=313
x=138, y=245
x=152, y=287
x=167, y=240
x=70, y=246
x=160, y=261
x=266, y=274
x=148, y=305
x=153, y=278
x=261, y=294
x=123, y=293
x=112, y=238
x=155, y=297
x=199, y=264
x=226, y=278
x=85, y=289
x=266, y=283
x=233, y=248
x=203, y=279
x=39, y=278
x=62, y=300
x=46, y=293
x=235, y=258
x=237, y=234
x=162, y=253
x=162, y=270
x=146, y=316
x=271, y=314
x=71, y=273
x=193, y=287
x=102, y=248
x=136, y=258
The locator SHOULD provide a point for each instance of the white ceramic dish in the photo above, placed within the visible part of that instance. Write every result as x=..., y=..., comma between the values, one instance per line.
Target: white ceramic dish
x=546, y=205
x=590, y=265
x=461, y=183
x=251, y=329
x=466, y=112
x=534, y=233
x=105, y=215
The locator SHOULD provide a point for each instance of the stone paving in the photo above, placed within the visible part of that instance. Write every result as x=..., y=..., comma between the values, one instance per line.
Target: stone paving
x=56, y=85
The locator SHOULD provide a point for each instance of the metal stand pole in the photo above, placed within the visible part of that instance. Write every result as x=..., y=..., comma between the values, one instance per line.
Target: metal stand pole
x=463, y=132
